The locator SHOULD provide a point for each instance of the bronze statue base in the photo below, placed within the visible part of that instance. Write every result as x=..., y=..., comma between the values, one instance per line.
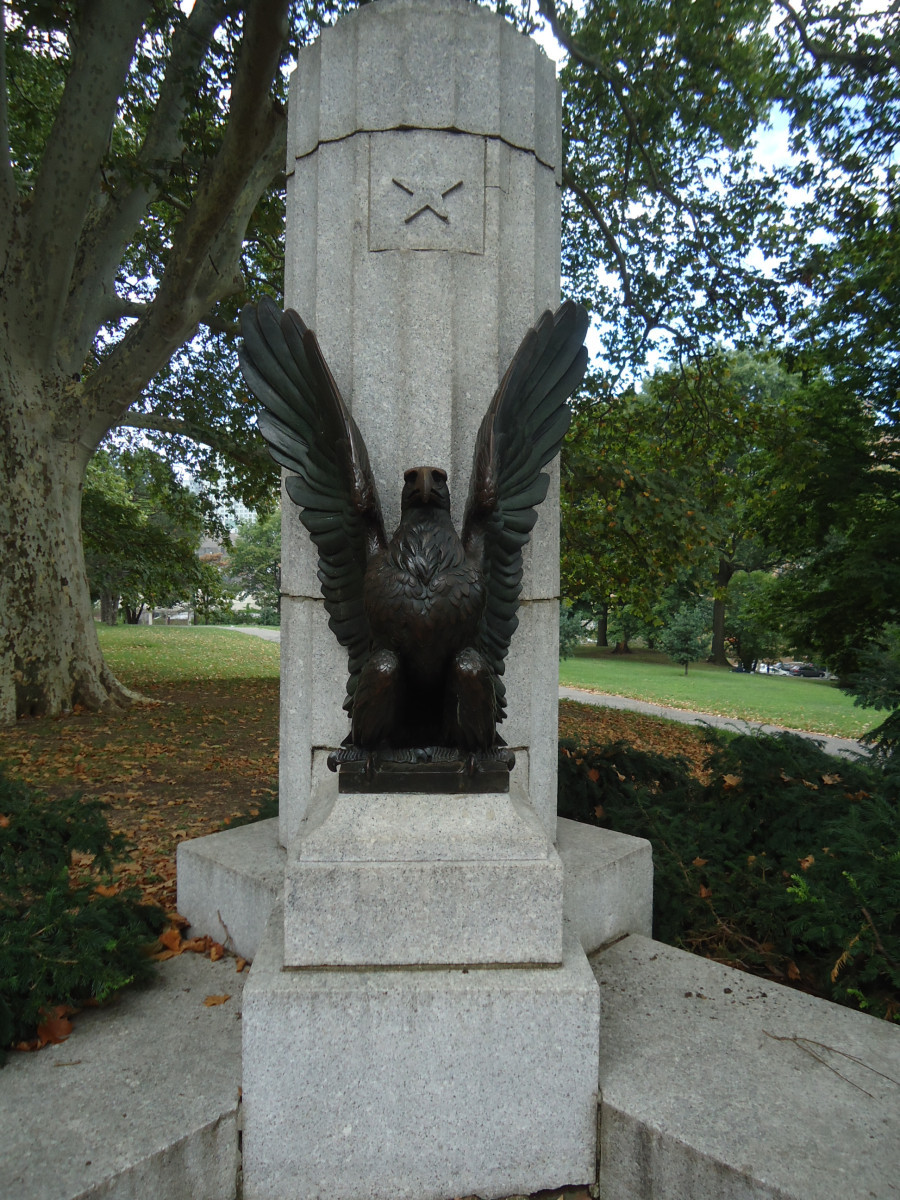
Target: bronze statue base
x=434, y=770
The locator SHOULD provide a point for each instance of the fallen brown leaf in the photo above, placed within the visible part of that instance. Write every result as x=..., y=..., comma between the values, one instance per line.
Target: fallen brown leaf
x=212, y=1001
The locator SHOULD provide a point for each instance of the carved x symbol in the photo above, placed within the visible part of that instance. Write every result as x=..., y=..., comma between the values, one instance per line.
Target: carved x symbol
x=426, y=197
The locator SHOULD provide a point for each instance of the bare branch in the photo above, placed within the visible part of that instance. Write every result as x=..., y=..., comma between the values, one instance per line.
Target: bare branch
x=204, y=261
x=101, y=54
x=219, y=325
x=113, y=223
x=116, y=307
x=863, y=62
x=254, y=120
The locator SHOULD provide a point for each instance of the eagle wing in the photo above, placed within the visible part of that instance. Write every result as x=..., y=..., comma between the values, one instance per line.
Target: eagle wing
x=521, y=432
x=310, y=431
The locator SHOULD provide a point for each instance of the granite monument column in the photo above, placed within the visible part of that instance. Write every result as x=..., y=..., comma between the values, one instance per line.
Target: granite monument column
x=423, y=239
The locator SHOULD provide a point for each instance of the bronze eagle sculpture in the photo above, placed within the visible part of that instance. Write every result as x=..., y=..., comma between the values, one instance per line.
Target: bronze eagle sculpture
x=427, y=615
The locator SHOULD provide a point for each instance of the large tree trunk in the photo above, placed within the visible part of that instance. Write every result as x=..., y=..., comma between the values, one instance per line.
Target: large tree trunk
x=63, y=234
x=50, y=658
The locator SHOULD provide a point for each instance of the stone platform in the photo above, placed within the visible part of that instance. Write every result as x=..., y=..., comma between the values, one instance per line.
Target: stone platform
x=718, y=1084
x=229, y=882
x=421, y=879
x=703, y=1095
x=402, y=1084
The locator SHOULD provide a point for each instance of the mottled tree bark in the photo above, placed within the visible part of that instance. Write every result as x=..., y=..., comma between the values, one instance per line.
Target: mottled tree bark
x=50, y=658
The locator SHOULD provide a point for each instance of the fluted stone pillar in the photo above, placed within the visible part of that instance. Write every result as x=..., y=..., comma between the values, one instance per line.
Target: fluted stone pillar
x=423, y=239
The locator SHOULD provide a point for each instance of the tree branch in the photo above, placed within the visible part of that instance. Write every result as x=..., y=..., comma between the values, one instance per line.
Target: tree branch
x=112, y=224
x=588, y=204
x=116, y=307
x=102, y=52
x=203, y=263
x=862, y=62
x=205, y=435
x=614, y=81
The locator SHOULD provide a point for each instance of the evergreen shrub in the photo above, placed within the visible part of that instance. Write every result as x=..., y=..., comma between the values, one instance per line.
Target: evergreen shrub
x=785, y=861
x=66, y=936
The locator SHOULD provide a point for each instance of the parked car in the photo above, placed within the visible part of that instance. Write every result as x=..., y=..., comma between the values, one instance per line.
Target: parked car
x=777, y=668
x=808, y=671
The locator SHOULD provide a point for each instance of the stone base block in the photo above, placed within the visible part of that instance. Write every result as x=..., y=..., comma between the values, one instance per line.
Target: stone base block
x=234, y=878
x=229, y=882
x=387, y=1084
x=392, y=879
x=141, y=1102
x=718, y=1084
x=608, y=886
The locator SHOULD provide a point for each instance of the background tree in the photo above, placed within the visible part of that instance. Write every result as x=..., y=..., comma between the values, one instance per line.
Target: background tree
x=753, y=631
x=142, y=531
x=139, y=197
x=685, y=638
x=256, y=563
x=213, y=592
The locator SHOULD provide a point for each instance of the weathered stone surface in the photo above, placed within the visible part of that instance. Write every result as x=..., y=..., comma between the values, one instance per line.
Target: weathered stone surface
x=716, y=1083
x=420, y=1084
x=228, y=883
x=420, y=879
x=427, y=64
x=141, y=1101
x=608, y=882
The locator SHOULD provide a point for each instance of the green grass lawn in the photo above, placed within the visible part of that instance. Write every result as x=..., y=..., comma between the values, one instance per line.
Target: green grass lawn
x=810, y=704
x=140, y=655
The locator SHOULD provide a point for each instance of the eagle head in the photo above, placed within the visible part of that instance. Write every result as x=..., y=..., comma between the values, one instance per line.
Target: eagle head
x=425, y=486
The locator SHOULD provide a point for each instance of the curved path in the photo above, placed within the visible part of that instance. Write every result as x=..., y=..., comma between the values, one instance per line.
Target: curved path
x=840, y=747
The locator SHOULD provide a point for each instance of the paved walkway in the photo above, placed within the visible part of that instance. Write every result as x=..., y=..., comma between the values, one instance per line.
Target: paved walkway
x=268, y=635
x=840, y=747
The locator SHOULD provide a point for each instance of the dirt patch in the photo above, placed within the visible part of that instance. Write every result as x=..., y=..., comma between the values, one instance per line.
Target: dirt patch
x=589, y=724
x=203, y=756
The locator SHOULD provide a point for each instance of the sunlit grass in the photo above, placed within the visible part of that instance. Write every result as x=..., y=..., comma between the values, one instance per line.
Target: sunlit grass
x=815, y=705
x=140, y=655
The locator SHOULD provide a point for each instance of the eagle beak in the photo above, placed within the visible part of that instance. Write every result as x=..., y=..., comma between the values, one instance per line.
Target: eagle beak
x=424, y=481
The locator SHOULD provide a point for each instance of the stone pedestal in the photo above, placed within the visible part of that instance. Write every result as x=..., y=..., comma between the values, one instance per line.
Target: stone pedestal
x=387, y=1084
x=420, y=880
